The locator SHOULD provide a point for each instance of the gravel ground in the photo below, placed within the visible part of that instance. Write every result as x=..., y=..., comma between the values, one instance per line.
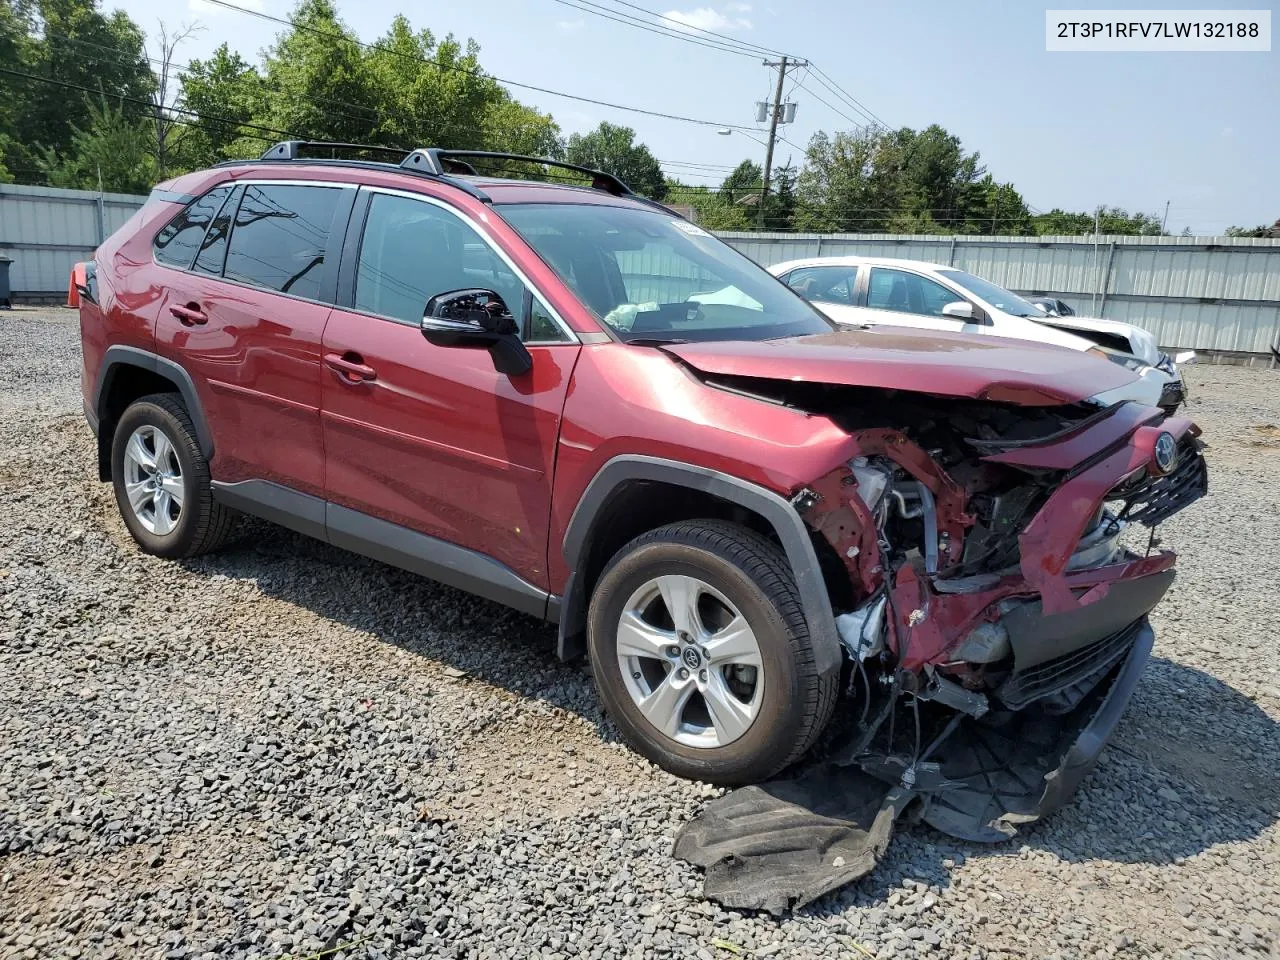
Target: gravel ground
x=284, y=749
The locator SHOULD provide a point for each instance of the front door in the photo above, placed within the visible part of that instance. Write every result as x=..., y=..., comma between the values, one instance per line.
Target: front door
x=907, y=299
x=434, y=439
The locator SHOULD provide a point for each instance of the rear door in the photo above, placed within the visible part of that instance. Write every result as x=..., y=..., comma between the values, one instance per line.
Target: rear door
x=434, y=440
x=907, y=299
x=831, y=288
x=246, y=319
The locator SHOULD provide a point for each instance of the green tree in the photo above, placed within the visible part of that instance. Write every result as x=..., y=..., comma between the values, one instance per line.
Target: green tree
x=226, y=93
x=613, y=149
x=1110, y=220
x=713, y=209
x=1261, y=231
x=112, y=152
x=746, y=180
x=319, y=87
x=72, y=43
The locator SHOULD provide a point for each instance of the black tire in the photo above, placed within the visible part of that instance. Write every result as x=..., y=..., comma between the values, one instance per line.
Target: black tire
x=203, y=524
x=752, y=572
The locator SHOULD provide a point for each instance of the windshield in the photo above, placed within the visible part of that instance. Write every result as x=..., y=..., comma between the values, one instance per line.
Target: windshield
x=652, y=277
x=998, y=297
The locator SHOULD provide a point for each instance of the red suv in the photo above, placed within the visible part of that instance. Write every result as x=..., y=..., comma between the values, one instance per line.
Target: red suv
x=570, y=400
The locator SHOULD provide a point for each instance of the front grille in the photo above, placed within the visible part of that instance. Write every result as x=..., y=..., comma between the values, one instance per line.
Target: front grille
x=1153, y=500
x=1061, y=673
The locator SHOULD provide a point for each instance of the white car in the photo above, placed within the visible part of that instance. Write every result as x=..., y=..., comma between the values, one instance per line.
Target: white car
x=911, y=293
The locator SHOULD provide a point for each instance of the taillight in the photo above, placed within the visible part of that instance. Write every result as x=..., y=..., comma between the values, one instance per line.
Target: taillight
x=83, y=284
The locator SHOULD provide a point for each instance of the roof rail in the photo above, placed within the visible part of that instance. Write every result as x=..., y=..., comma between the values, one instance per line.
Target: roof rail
x=442, y=162
x=294, y=149
x=436, y=163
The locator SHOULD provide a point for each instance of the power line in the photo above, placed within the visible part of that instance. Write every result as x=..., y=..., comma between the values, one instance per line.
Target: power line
x=477, y=74
x=586, y=6
x=825, y=79
x=759, y=51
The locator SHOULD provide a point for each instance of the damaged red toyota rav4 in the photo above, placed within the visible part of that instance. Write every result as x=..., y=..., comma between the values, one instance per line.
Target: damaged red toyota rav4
x=567, y=399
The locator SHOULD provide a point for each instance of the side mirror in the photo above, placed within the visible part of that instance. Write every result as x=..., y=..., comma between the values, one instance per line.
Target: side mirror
x=475, y=317
x=960, y=310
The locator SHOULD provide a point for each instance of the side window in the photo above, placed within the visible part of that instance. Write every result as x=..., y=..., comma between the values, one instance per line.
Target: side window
x=542, y=328
x=412, y=251
x=213, y=251
x=279, y=237
x=907, y=293
x=825, y=284
x=176, y=244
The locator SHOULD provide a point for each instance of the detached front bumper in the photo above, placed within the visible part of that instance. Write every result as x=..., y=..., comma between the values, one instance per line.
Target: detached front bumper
x=1012, y=768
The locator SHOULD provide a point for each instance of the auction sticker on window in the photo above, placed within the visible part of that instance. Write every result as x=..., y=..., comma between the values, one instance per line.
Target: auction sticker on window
x=1129, y=31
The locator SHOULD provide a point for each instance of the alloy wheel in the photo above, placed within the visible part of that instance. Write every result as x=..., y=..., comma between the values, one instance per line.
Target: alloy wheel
x=153, y=480
x=690, y=661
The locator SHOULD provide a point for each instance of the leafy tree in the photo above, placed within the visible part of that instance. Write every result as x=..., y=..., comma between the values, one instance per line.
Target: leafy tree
x=713, y=209
x=613, y=149
x=1110, y=220
x=746, y=180
x=1259, y=231
x=72, y=42
x=112, y=152
x=318, y=82
x=226, y=93
x=903, y=181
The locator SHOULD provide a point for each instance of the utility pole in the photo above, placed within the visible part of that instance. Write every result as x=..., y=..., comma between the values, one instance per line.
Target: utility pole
x=783, y=66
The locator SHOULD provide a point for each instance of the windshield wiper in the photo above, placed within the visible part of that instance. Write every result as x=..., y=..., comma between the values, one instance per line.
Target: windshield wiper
x=655, y=341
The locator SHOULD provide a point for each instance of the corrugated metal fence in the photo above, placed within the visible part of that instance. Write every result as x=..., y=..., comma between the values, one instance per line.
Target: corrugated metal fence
x=1203, y=293
x=45, y=230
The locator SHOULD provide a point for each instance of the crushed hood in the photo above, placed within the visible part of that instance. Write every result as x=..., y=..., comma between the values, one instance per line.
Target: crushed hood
x=956, y=365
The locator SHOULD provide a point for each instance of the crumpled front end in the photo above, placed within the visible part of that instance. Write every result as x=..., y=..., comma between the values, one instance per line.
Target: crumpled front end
x=994, y=602
x=993, y=615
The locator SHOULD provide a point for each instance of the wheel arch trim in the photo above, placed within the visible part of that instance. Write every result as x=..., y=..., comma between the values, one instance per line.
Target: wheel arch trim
x=119, y=356
x=773, y=508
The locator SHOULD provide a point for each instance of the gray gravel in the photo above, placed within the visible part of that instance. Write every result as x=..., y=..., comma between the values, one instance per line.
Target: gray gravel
x=284, y=749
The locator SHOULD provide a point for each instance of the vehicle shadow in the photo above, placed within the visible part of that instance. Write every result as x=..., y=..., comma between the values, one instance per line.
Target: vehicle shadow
x=488, y=642
x=1191, y=766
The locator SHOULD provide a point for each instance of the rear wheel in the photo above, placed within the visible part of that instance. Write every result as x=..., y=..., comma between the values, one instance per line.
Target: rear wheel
x=702, y=656
x=161, y=480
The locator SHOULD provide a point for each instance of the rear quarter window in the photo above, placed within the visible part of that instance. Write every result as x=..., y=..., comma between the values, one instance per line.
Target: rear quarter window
x=177, y=243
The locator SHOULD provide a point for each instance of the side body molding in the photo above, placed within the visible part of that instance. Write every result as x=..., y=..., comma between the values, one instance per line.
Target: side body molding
x=776, y=511
x=121, y=356
x=387, y=543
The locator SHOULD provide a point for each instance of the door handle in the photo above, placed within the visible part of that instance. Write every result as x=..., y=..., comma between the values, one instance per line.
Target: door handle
x=350, y=367
x=190, y=315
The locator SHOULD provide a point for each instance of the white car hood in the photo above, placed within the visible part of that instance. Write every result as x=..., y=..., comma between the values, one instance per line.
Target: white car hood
x=1141, y=343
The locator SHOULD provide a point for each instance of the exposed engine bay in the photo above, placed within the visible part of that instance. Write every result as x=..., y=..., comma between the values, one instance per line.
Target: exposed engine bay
x=993, y=622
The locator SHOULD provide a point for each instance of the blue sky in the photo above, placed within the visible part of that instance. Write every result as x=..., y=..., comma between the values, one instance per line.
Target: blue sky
x=1071, y=130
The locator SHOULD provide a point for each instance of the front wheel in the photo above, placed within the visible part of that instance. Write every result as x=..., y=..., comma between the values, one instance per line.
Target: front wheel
x=701, y=653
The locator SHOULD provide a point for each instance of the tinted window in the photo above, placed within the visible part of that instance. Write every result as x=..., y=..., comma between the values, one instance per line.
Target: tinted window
x=907, y=293
x=649, y=275
x=279, y=238
x=412, y=251
x=213, y=251
x=997, y=296
x=176, y=244
x=824, y=284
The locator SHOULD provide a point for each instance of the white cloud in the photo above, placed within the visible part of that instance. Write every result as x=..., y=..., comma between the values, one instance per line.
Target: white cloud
x=570, y=26
x=708, y=18
x=211, y=9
